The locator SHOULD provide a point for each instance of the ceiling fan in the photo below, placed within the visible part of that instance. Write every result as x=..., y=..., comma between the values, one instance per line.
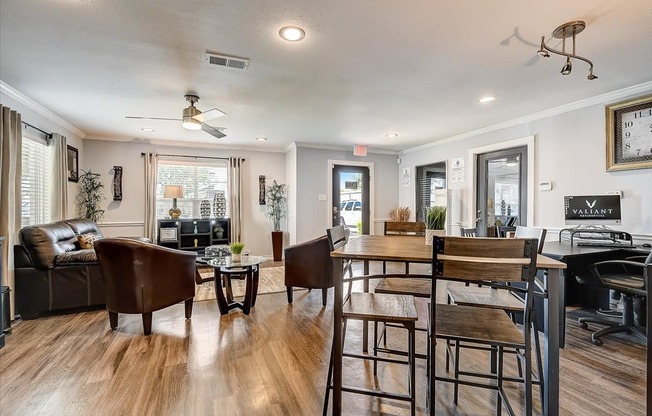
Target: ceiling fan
x=193, y=119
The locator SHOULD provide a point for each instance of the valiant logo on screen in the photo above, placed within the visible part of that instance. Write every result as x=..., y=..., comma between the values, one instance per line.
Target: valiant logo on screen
x=593, y=212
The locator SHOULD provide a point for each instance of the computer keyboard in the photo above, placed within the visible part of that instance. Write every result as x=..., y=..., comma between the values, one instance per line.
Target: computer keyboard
x=617, y=244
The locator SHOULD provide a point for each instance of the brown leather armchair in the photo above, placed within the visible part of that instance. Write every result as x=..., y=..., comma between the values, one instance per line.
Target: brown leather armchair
x=142, y=278
x=309, y=265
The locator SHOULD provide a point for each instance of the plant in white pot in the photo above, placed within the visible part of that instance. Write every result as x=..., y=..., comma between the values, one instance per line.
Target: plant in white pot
x=236, y=251
x=276, y=201
x=435, y=222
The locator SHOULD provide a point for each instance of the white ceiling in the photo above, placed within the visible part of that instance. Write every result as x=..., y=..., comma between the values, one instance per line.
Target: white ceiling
x=364, y=69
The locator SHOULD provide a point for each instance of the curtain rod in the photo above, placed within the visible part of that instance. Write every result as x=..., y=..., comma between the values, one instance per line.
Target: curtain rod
x=47, y=135
x=193, y=157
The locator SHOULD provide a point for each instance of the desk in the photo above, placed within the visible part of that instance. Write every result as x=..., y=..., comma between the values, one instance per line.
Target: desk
x=578, y=259
x=250, y=264
x=414, y=250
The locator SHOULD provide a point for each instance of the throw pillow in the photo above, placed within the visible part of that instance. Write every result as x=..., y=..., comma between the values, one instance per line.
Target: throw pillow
x=86, y=240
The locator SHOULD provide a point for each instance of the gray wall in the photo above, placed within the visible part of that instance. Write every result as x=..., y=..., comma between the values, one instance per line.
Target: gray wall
x=312, y=216
x=569, y=152
x=127, y=216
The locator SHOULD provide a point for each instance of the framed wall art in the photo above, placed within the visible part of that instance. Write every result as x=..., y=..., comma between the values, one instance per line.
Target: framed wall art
x=629, y=134
x=73, y=164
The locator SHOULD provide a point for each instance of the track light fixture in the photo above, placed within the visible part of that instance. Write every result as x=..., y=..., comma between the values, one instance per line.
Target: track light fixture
x=567, y=30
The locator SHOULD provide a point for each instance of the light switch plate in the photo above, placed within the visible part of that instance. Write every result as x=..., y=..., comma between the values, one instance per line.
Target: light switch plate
x=322, y=197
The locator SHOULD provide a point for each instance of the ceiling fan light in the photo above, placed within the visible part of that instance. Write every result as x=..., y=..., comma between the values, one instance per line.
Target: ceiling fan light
x=190, y=123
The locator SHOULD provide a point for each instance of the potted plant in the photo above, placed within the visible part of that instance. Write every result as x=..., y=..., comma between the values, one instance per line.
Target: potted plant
x=236, y=251
x=435, y=219
x=276, y=200
x=219, y=232
x=89, y=196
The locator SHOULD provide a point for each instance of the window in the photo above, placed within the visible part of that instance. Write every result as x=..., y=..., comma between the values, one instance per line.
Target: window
x=430, y=189
x=35, y=182
x=199, y=180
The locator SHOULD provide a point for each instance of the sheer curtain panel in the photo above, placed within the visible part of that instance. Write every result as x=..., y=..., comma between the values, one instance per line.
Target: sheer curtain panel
x=11, y=138
x=235, y=197
x=59, y=190
x=151, y=169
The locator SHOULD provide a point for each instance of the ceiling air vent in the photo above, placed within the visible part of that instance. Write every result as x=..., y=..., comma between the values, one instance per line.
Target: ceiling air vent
x=227, y=61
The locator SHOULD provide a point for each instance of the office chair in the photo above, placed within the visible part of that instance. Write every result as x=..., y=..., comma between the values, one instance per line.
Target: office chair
x=629, y=277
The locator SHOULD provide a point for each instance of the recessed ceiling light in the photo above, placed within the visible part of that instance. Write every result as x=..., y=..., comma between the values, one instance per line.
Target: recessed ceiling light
x=292, y=33
x=261, y=139
x=486, y=99
x=392, y=135
x=147, y=129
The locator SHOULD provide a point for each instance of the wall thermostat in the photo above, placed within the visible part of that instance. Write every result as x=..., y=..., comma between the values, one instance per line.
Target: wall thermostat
x=545, y=186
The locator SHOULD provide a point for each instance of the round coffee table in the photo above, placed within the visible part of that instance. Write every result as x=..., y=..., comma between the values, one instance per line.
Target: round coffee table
x=223, y=268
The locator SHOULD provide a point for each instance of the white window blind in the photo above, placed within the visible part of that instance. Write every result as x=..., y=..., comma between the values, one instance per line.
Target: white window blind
x=199, y=180
x=35, y=182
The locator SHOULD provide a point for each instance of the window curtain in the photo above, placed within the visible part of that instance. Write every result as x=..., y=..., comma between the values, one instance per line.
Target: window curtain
x=235, y=197
x=11, y=141
x=59, y=190
x=151, y=168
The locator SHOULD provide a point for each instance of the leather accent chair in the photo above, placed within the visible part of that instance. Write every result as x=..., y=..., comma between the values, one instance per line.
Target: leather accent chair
x=309, y=265
x=142, y=278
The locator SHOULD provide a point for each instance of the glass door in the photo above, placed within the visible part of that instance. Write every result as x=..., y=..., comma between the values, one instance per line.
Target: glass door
x=501, y=198
x=351, y=198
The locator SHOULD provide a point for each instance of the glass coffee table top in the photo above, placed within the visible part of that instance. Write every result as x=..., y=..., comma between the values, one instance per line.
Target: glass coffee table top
x=227, y=263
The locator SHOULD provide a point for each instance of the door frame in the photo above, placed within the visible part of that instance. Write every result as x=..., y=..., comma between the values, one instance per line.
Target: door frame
x=527, y=141
x=329, y=189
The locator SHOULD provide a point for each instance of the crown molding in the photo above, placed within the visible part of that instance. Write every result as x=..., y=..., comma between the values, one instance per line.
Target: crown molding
x=646, y=87
x=38, y=108
x=344, y=148
x=176, y=143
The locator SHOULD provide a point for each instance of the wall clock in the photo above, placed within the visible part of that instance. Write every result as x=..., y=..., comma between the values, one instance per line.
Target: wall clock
x=629, y=134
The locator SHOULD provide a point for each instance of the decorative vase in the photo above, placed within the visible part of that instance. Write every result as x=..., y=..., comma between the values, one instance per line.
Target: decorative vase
x=277, y=245
x=219, y=236
x=431, y=233
x=236, y=258
x=219, y=204
x=205, y=209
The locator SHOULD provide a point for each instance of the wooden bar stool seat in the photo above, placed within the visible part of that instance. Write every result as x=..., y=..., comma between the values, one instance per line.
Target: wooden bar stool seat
x=417, y=287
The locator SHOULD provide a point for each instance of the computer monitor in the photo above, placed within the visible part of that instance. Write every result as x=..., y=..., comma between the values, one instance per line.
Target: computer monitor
x=592, y=210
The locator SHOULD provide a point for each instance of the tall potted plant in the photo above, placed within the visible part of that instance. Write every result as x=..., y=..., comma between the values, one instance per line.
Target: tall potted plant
x=89, y=196
x=435, y=222
x=276, y=201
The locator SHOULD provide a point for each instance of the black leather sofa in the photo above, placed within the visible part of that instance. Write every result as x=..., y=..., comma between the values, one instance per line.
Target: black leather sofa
x=52, y=272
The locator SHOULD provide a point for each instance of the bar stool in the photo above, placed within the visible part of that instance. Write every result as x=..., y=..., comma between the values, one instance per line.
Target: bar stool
x=397, y=309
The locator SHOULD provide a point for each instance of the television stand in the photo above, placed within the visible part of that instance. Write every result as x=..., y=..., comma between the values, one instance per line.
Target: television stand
x=597, y=234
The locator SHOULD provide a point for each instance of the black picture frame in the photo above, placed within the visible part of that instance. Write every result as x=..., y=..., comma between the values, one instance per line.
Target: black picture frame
x=73, y=164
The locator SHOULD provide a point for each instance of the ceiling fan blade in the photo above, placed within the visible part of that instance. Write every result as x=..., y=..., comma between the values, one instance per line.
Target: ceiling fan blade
x=209, y=115
x=153, y=118
x=212, y=131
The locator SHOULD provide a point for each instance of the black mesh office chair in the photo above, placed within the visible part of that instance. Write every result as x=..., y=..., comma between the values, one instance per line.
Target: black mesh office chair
x=628, y=277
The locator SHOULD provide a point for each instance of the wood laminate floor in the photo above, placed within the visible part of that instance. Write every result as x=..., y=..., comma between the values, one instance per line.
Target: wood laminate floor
x=272, y=362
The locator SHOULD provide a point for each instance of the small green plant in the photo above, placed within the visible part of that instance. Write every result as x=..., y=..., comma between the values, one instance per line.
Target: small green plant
x=236, y=248
x=218, y=229
x=89, y=196
x=435, y=218
x=358, y=225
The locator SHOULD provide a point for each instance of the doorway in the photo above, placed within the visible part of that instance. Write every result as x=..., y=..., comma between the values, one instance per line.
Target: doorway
x=350, y=199
x=501, y=198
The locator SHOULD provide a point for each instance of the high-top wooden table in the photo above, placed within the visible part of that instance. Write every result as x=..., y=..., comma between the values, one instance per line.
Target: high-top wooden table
x=414, y=250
